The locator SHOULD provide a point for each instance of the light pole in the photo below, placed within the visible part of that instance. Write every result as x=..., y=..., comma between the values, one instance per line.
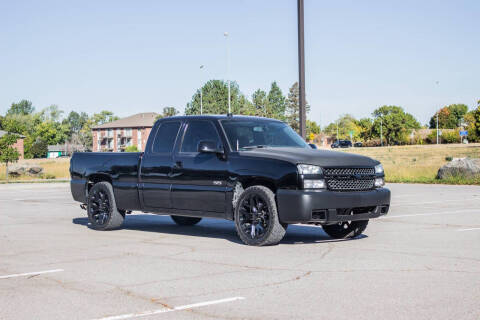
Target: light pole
x=381, y=132
x=228, y=71
x=437, y=127
x=201, y=95
x=301, y=70
x=337, y=130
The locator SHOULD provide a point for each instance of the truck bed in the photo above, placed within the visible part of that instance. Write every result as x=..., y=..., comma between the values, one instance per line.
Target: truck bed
x=120, y=168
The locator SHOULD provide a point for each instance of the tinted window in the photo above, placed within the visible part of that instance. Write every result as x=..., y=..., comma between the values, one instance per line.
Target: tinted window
x=165, y=138
x=243, y=134
x=198, y=131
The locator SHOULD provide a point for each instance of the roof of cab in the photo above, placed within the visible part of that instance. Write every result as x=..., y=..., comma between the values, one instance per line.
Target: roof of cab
x=218, y=117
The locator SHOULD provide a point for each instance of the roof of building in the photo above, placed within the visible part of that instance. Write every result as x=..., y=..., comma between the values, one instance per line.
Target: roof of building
x=64, y=148
x=2, y=133
x=145, y=119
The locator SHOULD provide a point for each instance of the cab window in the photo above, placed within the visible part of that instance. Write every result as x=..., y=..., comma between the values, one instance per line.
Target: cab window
x=199, y=130
x=165, y=137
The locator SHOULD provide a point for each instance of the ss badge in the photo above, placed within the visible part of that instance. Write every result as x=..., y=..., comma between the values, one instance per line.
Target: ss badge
x=217, y=183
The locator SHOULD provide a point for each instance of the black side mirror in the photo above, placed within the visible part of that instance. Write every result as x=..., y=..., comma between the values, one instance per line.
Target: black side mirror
x=313, y=146
x=208, y=146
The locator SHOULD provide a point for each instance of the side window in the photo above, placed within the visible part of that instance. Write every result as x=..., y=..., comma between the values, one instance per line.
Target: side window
x=165, y=138
x=197, y=131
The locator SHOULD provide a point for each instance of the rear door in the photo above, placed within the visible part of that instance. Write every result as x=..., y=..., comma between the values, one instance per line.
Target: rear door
x=156, y=168
x=199, y=179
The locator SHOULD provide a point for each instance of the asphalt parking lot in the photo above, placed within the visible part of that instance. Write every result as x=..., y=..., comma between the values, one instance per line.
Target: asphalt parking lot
x=422, y=261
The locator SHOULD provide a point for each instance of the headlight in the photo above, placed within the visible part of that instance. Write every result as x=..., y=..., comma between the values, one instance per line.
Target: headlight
x=309, y=169
x=379, y=182
x=379, y=168
x=313, y=184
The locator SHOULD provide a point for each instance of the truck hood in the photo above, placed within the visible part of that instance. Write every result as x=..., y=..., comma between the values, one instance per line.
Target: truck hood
x=323, y=158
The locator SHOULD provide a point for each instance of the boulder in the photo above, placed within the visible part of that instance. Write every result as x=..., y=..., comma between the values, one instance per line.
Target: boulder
x=34, y=170
x=460, y=167
x=20, y=169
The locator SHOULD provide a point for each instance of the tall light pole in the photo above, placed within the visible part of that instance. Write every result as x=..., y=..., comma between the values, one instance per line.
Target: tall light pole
x=437, y=127
x=301, y=69
x=201, y=94
x=337, y=130
x=228, y=71
x=381, y=132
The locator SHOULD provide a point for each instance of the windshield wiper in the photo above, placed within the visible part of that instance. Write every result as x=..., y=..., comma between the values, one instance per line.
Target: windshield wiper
x=254, y=147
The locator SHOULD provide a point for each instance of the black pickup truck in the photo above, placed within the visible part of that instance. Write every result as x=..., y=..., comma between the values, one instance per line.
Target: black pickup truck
x=257, y=172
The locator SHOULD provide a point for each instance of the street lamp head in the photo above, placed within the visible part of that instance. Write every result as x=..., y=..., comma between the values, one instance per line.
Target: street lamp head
x=225, y=34
x=201, y=67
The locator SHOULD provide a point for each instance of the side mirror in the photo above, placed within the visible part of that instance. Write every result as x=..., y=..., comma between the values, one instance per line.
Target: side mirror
x=208, y=147
x=313, y=146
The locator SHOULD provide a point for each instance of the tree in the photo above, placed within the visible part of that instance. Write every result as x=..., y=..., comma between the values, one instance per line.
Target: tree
x=292, y=108
x=449, y=117
x=215, y=99
x=396, y=124
x=131, y=149
x=24, y=107
x=346, y=124
x=365, y=126
x=259, y=101
x=169, y=112
x=75, y=121
x=7, y=152
x=276, y=102
x=38, y=149
x=51, y=113
x=312, y=128
x=85, y=134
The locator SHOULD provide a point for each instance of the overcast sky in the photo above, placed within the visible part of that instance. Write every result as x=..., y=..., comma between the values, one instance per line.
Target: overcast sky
x=139, y=56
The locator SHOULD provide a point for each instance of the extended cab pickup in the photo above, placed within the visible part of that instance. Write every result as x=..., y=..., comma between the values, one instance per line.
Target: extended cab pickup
x=256, y=171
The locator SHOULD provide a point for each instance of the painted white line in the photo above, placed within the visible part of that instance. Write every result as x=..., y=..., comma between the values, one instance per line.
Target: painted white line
x=30, y=273
x=430, y=214
x=469, y=229
x=165, y=309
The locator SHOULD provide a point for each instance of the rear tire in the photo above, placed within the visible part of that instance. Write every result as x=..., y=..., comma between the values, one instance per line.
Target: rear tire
x=185, y=221
x=345, y=230
x=102, y=210
x=256, y=217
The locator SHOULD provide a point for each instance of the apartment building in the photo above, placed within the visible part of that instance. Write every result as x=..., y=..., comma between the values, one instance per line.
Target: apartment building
x=117, y=135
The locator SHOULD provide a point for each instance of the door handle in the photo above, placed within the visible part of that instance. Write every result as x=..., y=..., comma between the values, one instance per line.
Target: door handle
x=178, y=165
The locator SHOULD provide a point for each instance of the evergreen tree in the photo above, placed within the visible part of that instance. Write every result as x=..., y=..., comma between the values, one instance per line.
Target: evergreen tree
x=292, y=110
x=276, y=102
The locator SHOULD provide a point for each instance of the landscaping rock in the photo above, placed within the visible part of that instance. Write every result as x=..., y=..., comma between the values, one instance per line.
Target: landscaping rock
x=20, y=169
x=461, y=168
x=35, y=170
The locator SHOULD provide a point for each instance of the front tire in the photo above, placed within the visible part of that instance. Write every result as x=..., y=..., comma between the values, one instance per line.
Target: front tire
x=102, y=210
x=185, y=221
x=345, y=230
x=256, y=217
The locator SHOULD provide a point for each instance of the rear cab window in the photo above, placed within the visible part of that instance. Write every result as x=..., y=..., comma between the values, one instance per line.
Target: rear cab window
x=165, y=137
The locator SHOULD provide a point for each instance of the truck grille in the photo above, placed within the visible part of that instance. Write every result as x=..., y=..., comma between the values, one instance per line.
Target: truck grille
x=349, y=179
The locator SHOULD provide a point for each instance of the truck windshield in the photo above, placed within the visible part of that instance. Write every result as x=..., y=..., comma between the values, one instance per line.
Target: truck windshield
x=247, y=134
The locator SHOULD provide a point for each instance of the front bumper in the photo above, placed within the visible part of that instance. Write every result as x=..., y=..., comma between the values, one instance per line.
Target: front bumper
x=328, y=207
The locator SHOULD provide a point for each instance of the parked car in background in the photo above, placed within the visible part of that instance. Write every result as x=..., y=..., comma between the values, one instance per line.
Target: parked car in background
x=358, y=145
x=342, y=144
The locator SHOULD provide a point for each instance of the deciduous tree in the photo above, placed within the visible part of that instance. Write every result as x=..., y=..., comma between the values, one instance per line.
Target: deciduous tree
x=8, y=154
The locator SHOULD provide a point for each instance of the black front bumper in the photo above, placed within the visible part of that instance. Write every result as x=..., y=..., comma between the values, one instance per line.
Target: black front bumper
x=326, y=207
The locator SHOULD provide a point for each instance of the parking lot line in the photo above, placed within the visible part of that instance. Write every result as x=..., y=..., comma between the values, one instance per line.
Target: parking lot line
x=165, y=309
x=469, y=229
x=30, y=273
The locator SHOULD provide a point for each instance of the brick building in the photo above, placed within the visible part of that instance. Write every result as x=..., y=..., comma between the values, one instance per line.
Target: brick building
x=130, y=131
x=17, y=145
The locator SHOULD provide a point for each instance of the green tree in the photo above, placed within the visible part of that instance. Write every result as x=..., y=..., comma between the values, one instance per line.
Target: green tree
x=24, y=107
x=276, y=103
x=346, y=124
x=312, y=127
x=397, y=124
x=52, y=132
x=51, y=113
x=260, y=102
x=365, y=126
x=38, y=149
x=292, y=109
x=215, y=99
x=75, y=121
x=8, y=154
x=169, y=112
x=85, y=134
x=449, y=117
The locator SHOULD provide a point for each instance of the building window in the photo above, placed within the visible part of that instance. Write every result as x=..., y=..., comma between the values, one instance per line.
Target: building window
x=128, y=132
x=110, y=133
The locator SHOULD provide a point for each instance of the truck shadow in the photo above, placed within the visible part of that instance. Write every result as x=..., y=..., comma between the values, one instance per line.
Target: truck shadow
x=216, y=228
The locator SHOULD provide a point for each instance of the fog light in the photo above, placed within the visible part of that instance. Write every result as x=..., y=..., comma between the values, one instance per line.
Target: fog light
x=314, y=184
x=379, y=182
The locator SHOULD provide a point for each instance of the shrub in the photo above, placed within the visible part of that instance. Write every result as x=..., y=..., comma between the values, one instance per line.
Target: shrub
x=450, y=137
x=449, y=158
x=131, y=149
